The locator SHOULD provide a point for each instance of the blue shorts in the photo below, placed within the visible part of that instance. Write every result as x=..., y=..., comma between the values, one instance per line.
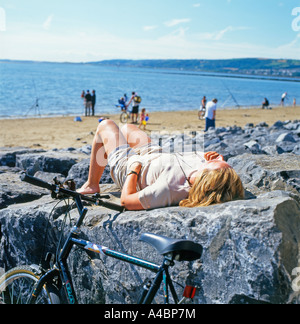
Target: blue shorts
x=210, y=123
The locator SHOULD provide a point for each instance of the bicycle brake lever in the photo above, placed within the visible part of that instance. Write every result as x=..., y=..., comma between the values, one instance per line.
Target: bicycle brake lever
x=98, y=196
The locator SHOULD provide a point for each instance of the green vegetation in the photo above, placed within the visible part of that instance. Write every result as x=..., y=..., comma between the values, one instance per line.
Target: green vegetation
x=250, y=66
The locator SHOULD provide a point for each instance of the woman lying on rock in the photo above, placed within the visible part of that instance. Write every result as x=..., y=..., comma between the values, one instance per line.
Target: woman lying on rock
x=151, y=179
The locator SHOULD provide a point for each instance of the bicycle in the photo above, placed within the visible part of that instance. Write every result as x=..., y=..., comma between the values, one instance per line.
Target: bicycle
x=125, y=115
x=37, y=285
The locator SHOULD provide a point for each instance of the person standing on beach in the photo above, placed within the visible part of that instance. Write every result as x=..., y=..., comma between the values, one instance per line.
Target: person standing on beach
x=83, y=98
x=201, y=113
x=93, y=102
x=135, y=100
x=88, y=103
x=210, y=114
x=283, y=97
x=125, y=98
x=143, y=119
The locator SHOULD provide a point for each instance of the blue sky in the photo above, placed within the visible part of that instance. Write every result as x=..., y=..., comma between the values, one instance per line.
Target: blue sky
x=92, y=30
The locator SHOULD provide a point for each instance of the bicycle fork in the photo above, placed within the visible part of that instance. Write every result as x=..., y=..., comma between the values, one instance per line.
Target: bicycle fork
x=44, y=280
x=61, y=271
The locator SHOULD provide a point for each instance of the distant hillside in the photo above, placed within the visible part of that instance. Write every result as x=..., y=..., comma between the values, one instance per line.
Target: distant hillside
x=247, y=66
x=250, y=66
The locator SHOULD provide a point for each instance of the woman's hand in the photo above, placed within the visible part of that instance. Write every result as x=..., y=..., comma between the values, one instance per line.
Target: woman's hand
x=211, y=156
x=130, y=196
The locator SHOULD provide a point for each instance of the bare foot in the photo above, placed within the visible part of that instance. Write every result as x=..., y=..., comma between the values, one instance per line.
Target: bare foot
x=88, y=189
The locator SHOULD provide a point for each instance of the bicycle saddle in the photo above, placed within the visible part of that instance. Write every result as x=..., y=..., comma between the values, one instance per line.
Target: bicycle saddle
x=182, y=250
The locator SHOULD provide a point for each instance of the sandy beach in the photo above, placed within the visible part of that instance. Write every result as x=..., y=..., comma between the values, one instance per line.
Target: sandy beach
x=64, y=132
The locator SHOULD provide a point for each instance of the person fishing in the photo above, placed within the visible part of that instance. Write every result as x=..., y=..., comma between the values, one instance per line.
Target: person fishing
x=265, y=104
x=149, y=178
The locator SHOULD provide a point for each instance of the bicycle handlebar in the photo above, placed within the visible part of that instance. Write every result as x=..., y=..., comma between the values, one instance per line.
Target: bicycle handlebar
x=66, y=192
x=37, y=182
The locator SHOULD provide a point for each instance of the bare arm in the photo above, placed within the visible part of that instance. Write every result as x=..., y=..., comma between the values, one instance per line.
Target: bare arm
x=215, y=114
x=130, y=196
x=129, y=102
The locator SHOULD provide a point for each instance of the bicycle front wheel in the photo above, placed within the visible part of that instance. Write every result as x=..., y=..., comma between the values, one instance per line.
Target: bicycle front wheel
x=16, y=287
x=124, y=118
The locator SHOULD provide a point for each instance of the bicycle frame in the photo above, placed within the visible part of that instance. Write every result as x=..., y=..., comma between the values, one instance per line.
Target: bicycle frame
x=61, y=269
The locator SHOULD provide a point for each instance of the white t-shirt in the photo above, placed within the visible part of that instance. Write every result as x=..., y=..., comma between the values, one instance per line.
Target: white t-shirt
x=135, y=103
x=162, y=182
x=211, y=107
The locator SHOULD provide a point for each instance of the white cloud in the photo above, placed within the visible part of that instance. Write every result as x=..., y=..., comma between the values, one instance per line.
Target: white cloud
x=179, y=43
x=218, y=35
x=47, y=23
x=176, y=35
x=175, y=22
x=221, y=33
x=197, y=5
x=149, y=28
x=290, y=47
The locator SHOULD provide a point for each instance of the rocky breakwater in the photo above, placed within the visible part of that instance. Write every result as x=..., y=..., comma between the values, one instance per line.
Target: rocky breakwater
x=251, y=247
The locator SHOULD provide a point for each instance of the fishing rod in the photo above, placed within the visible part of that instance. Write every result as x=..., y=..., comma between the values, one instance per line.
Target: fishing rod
x=231, y=95
x=35, y=106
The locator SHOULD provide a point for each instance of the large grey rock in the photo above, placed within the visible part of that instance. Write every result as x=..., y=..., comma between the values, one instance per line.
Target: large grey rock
x=263, y=173
x=51, y=161
x=297, y=149
x=286, y=137
x=13, y=190
x=8, y=154
x=79, y=172
x=250, y=248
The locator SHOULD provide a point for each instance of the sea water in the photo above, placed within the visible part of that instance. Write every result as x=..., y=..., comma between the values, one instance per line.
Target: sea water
x=54, y=89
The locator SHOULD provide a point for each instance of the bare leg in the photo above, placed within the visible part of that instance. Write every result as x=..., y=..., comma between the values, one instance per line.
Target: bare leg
x=108, y=137
x=134, y=118
x=134, y=136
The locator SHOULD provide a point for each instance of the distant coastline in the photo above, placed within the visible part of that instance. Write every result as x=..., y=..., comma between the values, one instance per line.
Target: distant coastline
x=247, y=67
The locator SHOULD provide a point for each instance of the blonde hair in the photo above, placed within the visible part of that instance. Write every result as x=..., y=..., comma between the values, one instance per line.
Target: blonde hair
x=215, y=187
